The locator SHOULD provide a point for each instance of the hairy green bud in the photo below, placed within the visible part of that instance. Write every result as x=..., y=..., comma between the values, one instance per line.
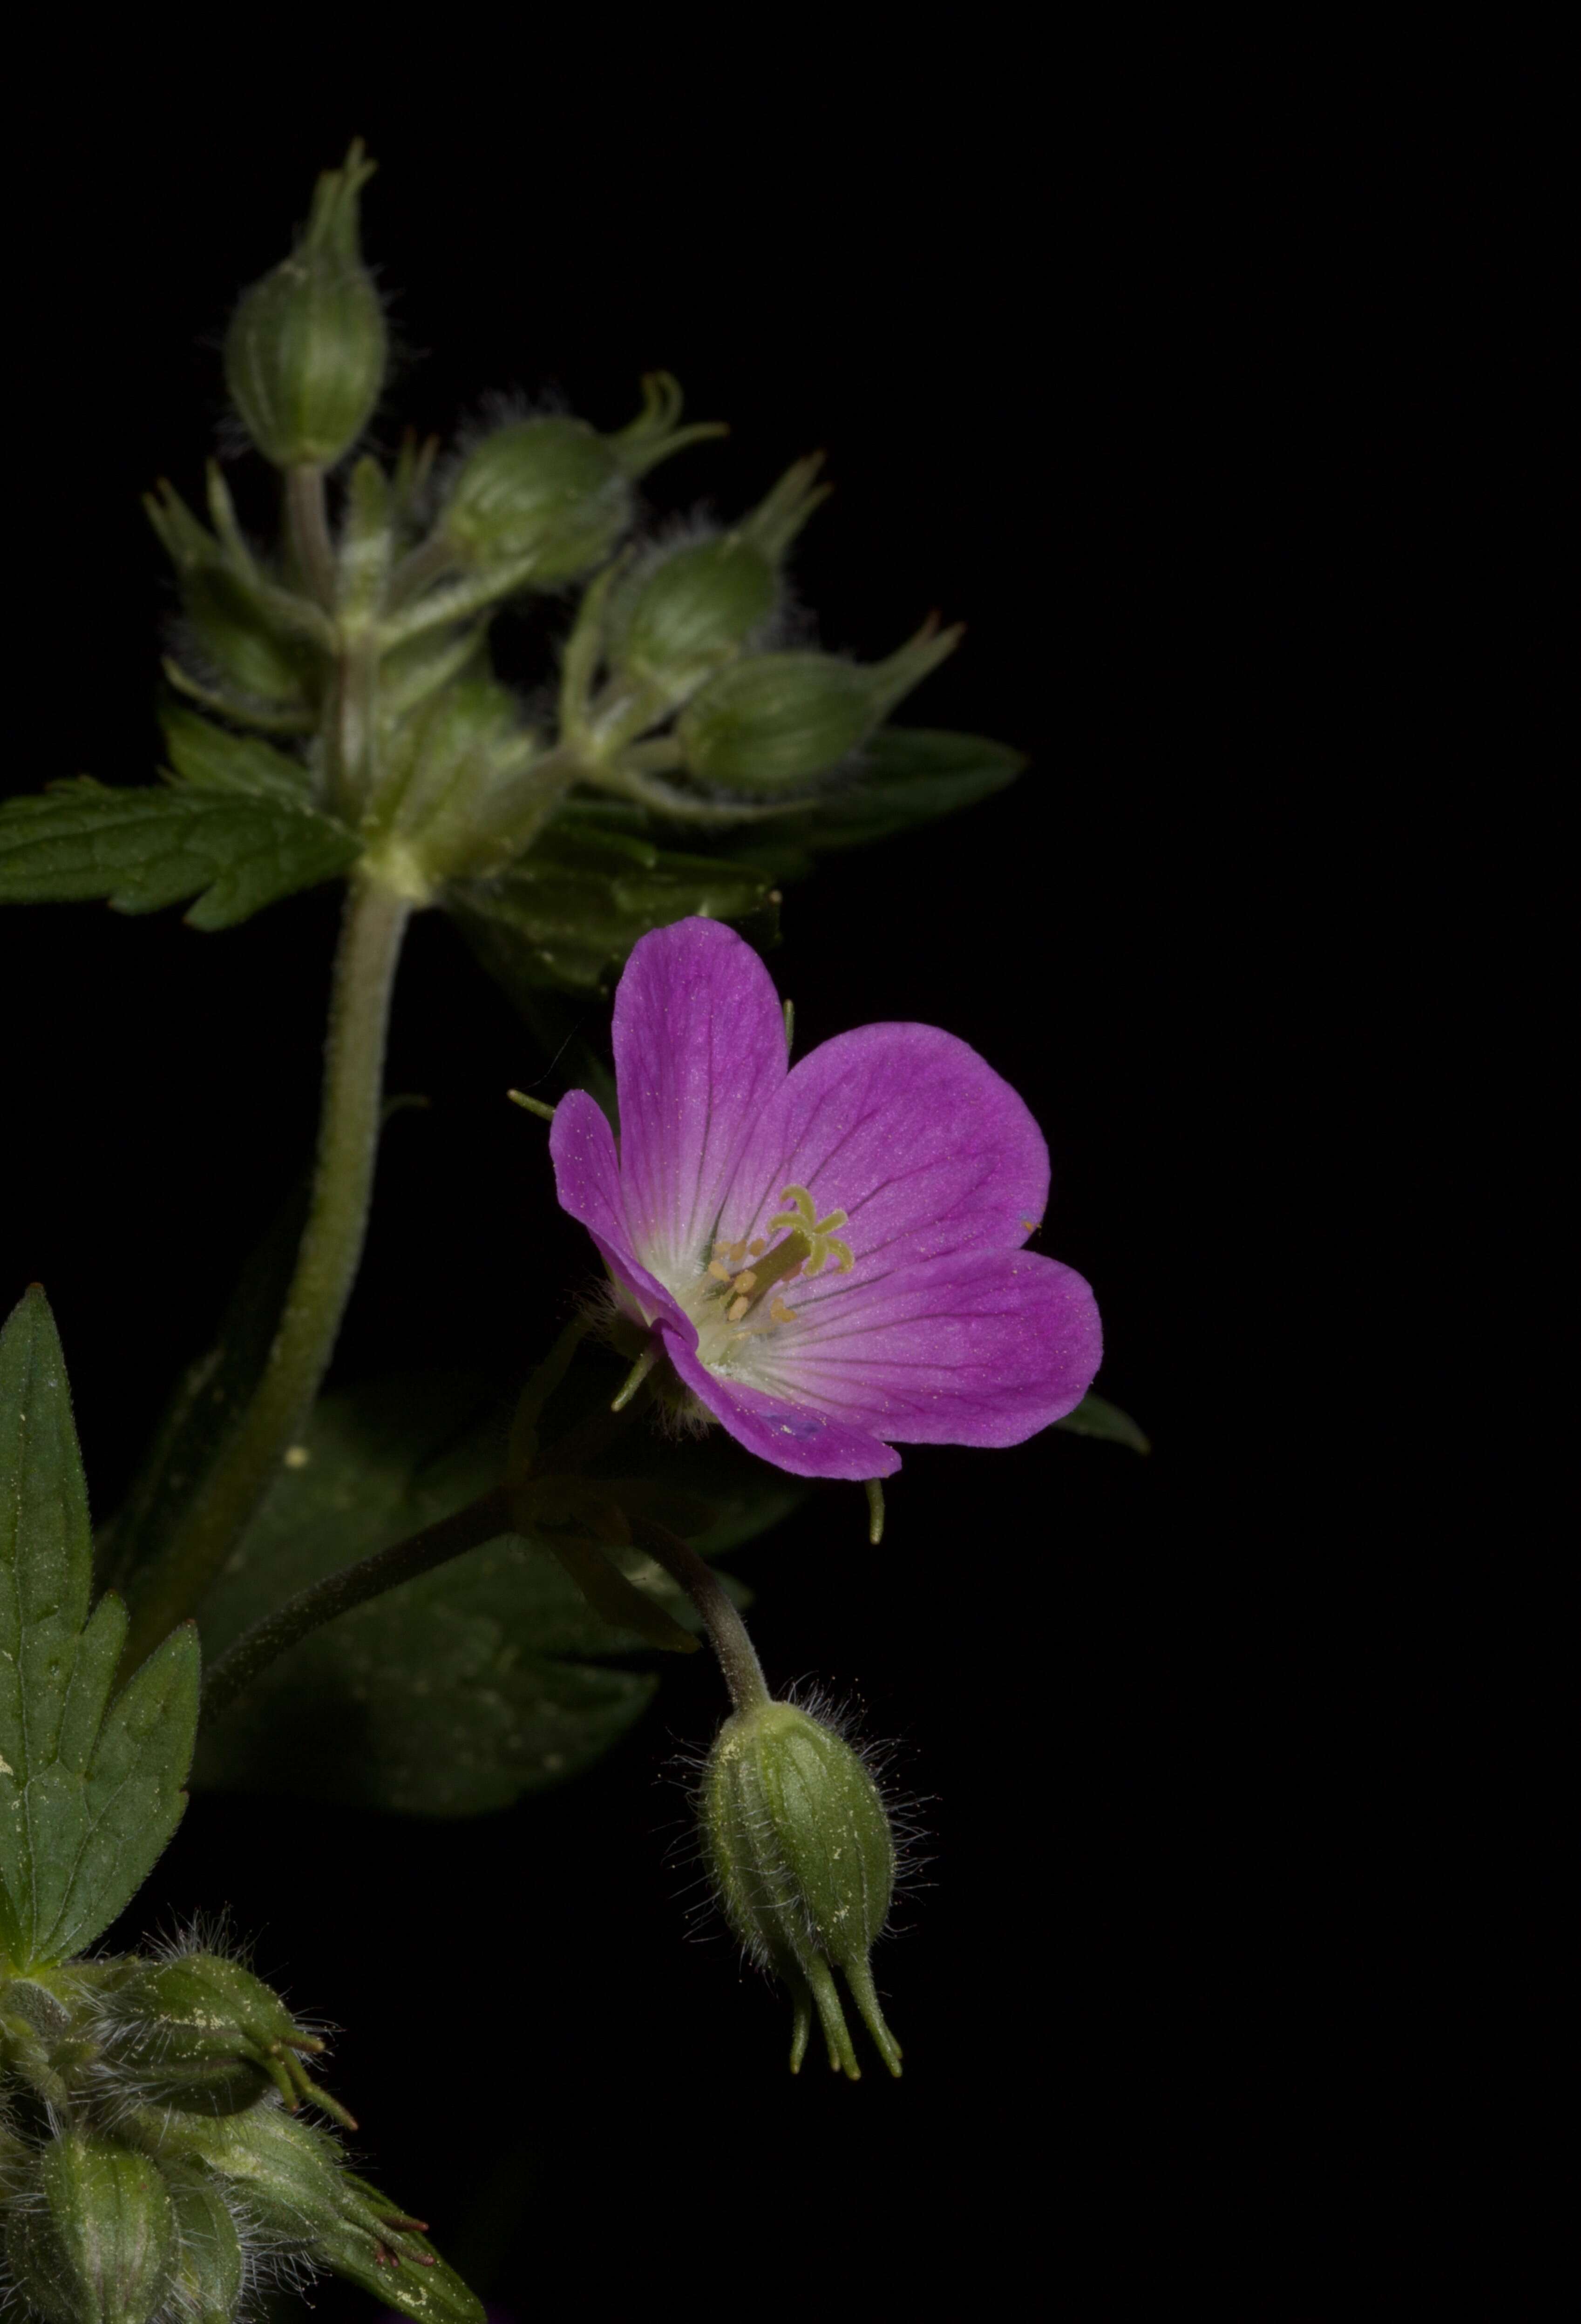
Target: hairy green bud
x=692, y=610
x=803, y=1859
x=306, y=350
x=202, y=2033
x=209, y=2268
x=555, y=492
x=777, y=720
x=290, y=2179
x=92, y=2241
x=460, y=798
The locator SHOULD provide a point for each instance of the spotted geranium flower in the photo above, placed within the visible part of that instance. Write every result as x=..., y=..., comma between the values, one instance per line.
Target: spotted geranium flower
x=832, y=1257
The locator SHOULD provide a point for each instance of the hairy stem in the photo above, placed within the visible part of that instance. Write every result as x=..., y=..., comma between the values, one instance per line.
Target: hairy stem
x=483, y=1519
x=327, y=1263
x=727, y=1633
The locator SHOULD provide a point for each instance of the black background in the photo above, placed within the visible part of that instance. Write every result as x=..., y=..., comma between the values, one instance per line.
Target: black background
x=1182, y=393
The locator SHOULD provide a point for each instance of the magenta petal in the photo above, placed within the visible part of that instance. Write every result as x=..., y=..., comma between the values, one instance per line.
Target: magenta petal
x=808, y=1444
x=587, y=1181
x=982, y=1348
x=909, y=1132
x=700, y=1052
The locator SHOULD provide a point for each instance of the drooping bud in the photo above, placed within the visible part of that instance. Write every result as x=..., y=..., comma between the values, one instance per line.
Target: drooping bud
x=779, y=719
x=803, y=1858
x=555, y=491
x=691, y=611
x=201, y=2033
x=305, y=353
x=92, y=2241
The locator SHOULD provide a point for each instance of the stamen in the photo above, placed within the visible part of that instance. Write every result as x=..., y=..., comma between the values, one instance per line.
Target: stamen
x=780, y=1314
x=718, y=1270
x=757, y=1246
x=738, y=1252
x=737, y=1309
x=746, y=1280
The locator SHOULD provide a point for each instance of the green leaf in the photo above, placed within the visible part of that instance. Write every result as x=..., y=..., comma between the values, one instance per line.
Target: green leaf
x=450, y=1695
x=90, y=1789
x=568, y=914
x=1094, y=1417
x=490, y=1676
x=150, y=846
x=207, y=758
x=212, y=1393
x=206, y=1402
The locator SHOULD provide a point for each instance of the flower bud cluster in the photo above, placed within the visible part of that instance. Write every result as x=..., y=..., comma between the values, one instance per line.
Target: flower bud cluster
x=801, y=1852
x=363, y=642
x=154, y=2165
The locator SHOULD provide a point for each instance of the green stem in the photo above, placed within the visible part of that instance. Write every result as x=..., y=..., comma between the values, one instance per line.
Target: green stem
x=351, y=731
x=308, y=527
x=483, y=1519
x=327, y=1263
x=727, y=1633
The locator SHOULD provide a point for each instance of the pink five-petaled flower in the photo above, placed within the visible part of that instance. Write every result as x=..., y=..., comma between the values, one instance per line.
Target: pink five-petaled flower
x=831, y=1256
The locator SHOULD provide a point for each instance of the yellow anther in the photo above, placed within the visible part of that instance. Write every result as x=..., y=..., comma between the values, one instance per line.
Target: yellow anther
x=718, y=1270
x=780, y=1314
x=757, y=1246
x=745, y=1279
x=737, y=1253
x=737, y=1309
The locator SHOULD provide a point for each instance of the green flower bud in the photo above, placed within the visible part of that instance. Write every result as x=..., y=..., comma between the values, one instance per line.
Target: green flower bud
x=803, y=1859
x=778, y=719
x=96, y=2242
x=459, y=786
x=305, y=353
x=209, y=2268
x=692, y=609
x=202, y=2033
x=555, y=491
x=289, y=2177
x=288, y=2173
